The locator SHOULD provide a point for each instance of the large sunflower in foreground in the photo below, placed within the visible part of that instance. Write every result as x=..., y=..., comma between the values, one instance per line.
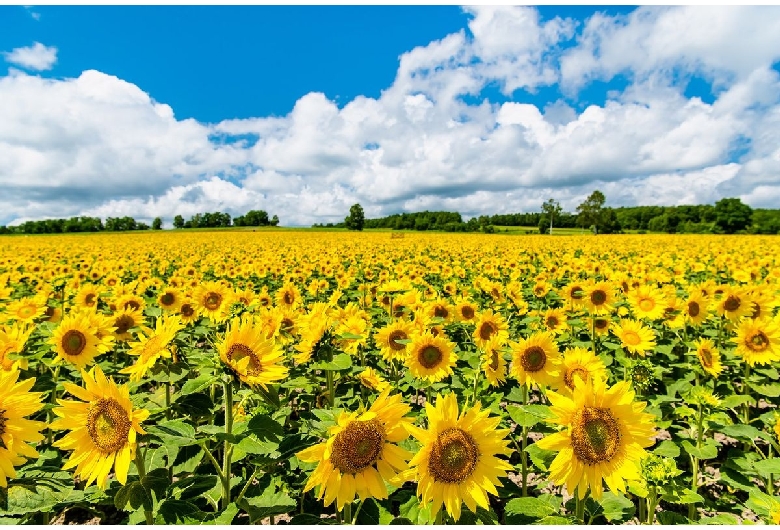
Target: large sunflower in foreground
x=103, y=428
x=431, y=358
x=254, y=358
x=16, y=431
x=603, y=438
x=360, y=454
x=457, y=462
x=152, y=346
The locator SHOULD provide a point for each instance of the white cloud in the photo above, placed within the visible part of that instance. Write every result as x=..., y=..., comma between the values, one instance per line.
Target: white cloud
x=36, y=57
x=99, y=145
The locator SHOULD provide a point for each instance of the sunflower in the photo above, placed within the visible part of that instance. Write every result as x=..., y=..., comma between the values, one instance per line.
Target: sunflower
x=352, y=333
x=493, y=362
x=554, y=321
x=130, y=301
x=634, y=336
x=457, y=462
x=369, y=378
x=490, y=325
x=264, y=299
x=695, y=308
x=286, y=329
x=16, y=431
x=758, y=341
x=170, y=299
x=25, y=309
x=360, y=454
x=439, y=309
x=53, y=313
x=103, y=428
x=188, y=312
x=603, y=438
x=536, y=359
x=386, y=338
x=600, y=325
x=431, y=358
x=12, y=341
x=75, y=340
x=599, y=298
x=313, y=326
x=255, y=359
x=574, y=294
x=124, y=320
x=87, y=297
x=734, y=303
x=288, y=296
x=465, y=310
x=646, y=302
x=152, y=346
x=709, y=357
x=212, y=300
x=580, y=364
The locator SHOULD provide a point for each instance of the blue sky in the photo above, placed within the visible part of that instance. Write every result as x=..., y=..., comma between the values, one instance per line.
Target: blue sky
x=147, y=110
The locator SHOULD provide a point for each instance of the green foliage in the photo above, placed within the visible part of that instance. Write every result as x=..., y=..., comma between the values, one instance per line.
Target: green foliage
x=732, y=216
x=356, y=219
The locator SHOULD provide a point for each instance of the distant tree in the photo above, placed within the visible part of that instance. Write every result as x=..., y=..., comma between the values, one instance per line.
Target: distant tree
x=178, y=222
x=356, y=218
x=731, y=215
x=609, y=222
x=275, y=220
x=157, y=223
x=552, y=209
x=589, y=212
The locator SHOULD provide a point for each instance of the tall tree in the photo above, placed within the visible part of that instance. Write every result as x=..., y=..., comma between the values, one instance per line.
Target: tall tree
x=157, y=223
x=732, y=215
x=178, y=222
x=356, y=218
x=589, y=212
x=552, y=209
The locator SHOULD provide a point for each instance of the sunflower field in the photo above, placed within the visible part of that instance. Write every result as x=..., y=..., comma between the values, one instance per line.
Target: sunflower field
x=300, y=377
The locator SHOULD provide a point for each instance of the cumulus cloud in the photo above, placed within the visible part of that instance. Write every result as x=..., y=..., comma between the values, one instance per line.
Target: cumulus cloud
x=36, y=57
x=98, y=145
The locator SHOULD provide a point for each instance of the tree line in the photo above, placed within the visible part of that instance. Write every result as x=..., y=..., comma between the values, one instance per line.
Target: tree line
x=125, y=224
x=727, y=216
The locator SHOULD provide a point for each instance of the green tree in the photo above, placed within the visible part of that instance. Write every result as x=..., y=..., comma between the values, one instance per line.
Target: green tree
x=589, y=212
x=275, y=220
x=356, y=218
x=157, y=224
x=552, y=209
x=732, y=215
x=178, y=222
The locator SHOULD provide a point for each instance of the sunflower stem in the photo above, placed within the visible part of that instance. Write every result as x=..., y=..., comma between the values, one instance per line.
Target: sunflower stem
x=652, y=502
x=523, y=445
x=439, y=518
x=695, y=461
x=139, y=464
x=357, y=511
x=246, y=486
x=579, y=506
x=168, y=398
x=746, y=391
x=347, y=515
x=227, y=451
x=476, y=384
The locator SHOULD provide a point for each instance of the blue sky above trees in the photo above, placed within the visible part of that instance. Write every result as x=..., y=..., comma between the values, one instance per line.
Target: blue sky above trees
x=306, y=110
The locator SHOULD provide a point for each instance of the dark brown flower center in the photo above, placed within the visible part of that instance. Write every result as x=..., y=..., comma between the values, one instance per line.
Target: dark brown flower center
x=494, y=360
x=467, y=312
x=358, y=446
x=533, y=359
x=601, y=324
x=579, y=372
x=598, y=297
x=108, y=425
x=187, y=310
x=440, y=311
x=393, y=337
x=74, y=342
x=486, y=330
x=90, y=299
x=239, y=351
x=213, y=301
x=757, y=341
x=123, y=323
x=706, y=357
x=430, y=356
x=693, y=309
x=167, y=299
x=577, y=292
x=453, y=457
x=288, y=298
x=732, y=303
x=552, y=322
x=595, y=435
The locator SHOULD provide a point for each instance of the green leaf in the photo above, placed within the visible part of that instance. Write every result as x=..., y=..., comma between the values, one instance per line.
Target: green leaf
x=616, y=507
x=735, y=400
x=201, y=382
x=770, y=390
x=527, y=509
x=667, y=448
x=528, y=415
x=557, y=520
x=350, y=336
x=542, y=458
x=30, y=498
x=721, y=518
x=413, y=511
x=250, y=445
x=267, y=504
x=768, y=466
x=134, y=494
x=684, y=497
x=174, y=432
x=342, y=361
x=741, y=432
x=157, y=481
x=705, y=452
x=172, y=511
